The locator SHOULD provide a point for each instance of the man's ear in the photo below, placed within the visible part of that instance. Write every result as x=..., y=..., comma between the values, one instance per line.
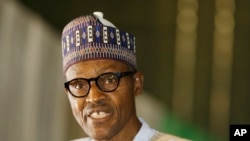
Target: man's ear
x=66, y=91
x=138, y=83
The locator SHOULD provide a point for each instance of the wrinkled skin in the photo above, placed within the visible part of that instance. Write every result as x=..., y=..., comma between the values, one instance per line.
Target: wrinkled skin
x=121, y=122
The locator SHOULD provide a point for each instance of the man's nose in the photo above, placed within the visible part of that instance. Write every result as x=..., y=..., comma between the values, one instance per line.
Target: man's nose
x=95, y=96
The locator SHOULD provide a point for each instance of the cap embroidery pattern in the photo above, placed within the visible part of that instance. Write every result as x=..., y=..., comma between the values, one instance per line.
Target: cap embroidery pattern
x=86, y=38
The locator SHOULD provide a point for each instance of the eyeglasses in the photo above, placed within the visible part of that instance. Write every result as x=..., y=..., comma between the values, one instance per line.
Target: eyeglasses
x=106, y=82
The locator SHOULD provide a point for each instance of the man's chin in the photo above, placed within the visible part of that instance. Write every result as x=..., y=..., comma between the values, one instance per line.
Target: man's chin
x=100, y=133
x=99, y=137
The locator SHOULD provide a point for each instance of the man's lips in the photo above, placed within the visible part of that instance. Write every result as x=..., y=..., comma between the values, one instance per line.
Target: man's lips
x=98, y=113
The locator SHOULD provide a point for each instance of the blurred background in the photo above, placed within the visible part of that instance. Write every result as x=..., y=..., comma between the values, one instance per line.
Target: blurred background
x=195, y=56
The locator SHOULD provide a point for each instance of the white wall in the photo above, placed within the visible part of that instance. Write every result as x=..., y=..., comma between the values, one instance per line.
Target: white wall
x=32, y=100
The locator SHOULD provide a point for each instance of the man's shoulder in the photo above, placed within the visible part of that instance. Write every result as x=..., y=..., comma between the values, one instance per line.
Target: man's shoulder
x=159, y=136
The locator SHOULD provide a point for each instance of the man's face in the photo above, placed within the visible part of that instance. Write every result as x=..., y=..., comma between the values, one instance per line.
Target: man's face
x=104, y=115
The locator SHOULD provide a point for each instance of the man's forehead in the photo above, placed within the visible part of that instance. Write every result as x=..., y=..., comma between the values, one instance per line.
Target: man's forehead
x=95, y=67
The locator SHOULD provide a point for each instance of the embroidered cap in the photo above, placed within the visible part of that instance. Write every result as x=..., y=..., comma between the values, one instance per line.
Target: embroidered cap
x=93, y=37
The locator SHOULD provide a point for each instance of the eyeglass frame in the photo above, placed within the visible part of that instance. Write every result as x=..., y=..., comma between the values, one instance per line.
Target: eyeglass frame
x=119, y=75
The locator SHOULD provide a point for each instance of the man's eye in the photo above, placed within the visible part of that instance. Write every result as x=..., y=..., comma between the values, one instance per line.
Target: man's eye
x=79, y=85
x=110, y=80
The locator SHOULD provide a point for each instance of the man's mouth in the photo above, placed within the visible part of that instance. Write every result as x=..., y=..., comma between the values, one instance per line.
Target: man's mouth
x=99, y=115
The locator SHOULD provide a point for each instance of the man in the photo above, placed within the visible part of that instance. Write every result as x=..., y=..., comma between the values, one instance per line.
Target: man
x=99, y=64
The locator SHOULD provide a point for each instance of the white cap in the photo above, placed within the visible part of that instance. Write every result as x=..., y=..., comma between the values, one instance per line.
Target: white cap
x=99, y=15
